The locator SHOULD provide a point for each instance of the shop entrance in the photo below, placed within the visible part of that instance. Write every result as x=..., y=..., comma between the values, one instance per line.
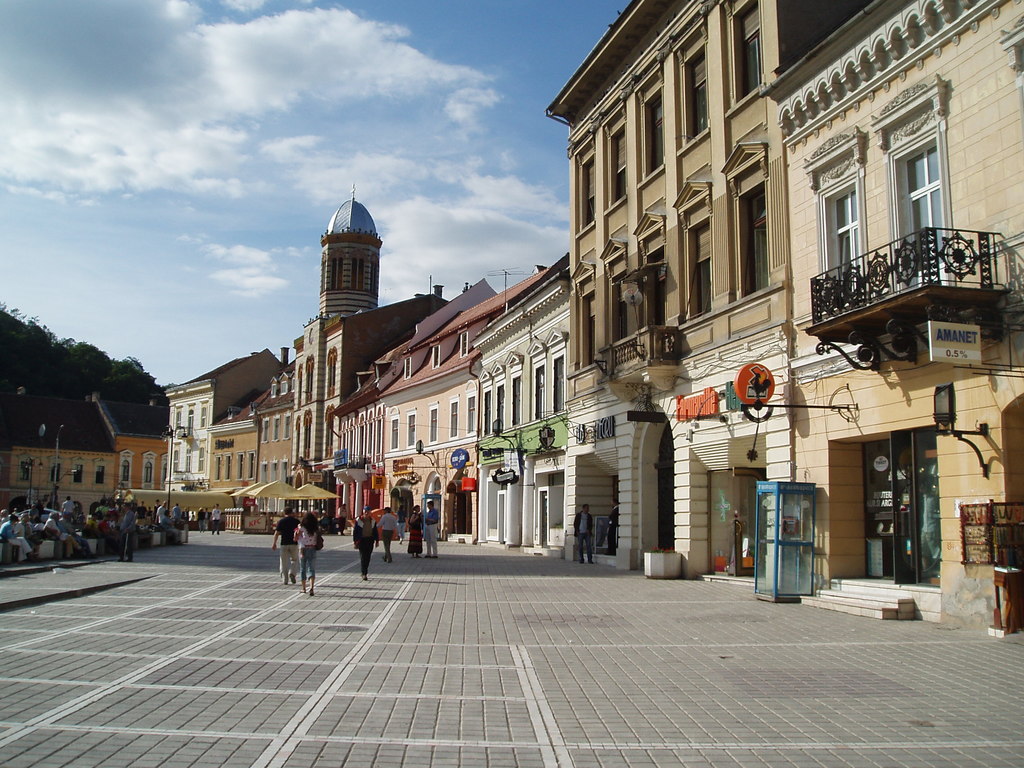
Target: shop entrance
x=901, y=516
x=666, y=491
x=731, y=507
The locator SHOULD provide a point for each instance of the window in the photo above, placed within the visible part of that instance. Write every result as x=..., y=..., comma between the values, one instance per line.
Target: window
x=78, y=473
x=655, y=116
x=126, y=471
x=408, y=367
x=218, y=464
x=435, y=356
x=191, y=420
x=410, y=433
x=26, y=471
x=433, y=425
x=588, y=341
x=241, y=465
x=277, y=428
x=588, y=193
x=188, y=459
x=177, y=417
x=698, y=102
x=394, y=433
x=517, y=400
x=263, y=472
x=700, y=283
x=843, y=228
x=619, y=161
x=202, y=416
x=755, y=245
x=54, y=473
x=332, y=372
x=101, y=473
x=750, y=52
x=287, y=426
x=202, y=459
x=499, y=404
x=539, y=389
x=252, y=465
x=227, y=467
x=453, y=419
x=620, y=317
x=558, y=384
x=284, y=385
x=266, y=430
x=923, y=189
x=488, y=413
x=471, y=413
x=147, y=473
x=464, y=343
x=273, y=388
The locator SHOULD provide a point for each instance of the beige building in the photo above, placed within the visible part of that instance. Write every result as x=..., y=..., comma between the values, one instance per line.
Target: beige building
x=680, y=268
x=906, y=154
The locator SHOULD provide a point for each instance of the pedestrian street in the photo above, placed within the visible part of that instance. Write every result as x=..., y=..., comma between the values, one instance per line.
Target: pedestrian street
x=482, y=657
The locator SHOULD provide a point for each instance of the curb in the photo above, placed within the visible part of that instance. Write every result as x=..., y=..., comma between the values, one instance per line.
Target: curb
x=21, y=602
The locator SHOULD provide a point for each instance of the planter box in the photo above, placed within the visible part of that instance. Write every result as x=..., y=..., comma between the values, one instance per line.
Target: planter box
x=663, y=565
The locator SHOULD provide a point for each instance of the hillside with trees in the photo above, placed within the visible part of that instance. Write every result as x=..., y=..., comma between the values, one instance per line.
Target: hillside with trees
x=31, y=356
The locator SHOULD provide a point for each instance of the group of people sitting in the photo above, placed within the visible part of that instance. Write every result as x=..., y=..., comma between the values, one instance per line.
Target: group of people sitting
x=25, y=538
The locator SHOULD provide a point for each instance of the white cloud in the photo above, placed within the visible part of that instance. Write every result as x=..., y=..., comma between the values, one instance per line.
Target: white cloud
x=162, y=101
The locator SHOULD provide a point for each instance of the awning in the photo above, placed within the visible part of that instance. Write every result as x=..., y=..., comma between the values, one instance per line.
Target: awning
x=185, y=499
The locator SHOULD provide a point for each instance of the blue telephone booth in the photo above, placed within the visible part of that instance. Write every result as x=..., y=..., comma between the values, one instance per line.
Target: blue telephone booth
x=784, y=562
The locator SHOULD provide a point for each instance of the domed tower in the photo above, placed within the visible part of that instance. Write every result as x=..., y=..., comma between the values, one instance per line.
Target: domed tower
x=349, y=261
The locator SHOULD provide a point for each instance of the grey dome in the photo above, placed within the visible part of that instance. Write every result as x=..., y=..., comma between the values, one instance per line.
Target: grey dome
x=352, y=217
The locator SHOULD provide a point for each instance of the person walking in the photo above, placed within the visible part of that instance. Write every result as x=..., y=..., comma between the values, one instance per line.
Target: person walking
x=415, y=531
x=388, y=525
x=364, y=538
x=127, y=527
x=310, y=540
x=430, y=520
x=285, y=531
x=201, y=515
x=215, y=519
x=583, y=529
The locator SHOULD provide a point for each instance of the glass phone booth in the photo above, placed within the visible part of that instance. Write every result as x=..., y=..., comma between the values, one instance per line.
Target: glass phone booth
x=784, y=562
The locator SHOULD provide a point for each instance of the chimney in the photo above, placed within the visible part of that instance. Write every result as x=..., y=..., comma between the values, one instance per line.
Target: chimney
x=438, y=290
x=284, y=355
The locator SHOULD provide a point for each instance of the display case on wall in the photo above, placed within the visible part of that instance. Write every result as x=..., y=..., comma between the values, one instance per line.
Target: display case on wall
x=784, y=561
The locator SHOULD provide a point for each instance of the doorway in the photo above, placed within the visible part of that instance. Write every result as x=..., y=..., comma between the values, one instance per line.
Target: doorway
x=901, y=516
x=666, y=468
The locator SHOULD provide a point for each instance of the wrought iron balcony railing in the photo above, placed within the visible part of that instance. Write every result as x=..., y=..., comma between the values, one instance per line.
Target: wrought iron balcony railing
x=949, y=258
x=650, y=346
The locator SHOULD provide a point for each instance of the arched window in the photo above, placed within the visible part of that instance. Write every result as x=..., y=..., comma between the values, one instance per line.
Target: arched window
x=147, y=472
x=126, y=471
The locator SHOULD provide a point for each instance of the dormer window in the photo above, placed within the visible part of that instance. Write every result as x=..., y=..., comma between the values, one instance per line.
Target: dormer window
x=284, y=385
x=464, y=343
x=435, y=356
x=273, y=388
x=408, y=367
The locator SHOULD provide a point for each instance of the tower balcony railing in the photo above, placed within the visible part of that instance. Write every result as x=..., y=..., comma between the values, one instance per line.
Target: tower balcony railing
x=932, y=264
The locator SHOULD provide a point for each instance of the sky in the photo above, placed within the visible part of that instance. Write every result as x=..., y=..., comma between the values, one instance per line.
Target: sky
x=167, y=167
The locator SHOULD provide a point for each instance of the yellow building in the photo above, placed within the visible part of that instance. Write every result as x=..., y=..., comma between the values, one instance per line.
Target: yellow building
x=905, y=159
x=680, y=267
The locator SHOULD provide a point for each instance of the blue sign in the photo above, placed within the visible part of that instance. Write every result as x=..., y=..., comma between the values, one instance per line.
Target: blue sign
x=341, y=458
x=459, y=458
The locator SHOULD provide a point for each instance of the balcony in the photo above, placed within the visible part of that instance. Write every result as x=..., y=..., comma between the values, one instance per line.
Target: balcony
x=903, y=282
x=650, y=352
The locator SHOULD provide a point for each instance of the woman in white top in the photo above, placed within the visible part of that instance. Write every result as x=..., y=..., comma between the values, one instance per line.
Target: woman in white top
x=306, y=537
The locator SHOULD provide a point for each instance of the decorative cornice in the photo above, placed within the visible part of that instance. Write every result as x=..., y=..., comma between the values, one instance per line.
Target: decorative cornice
x=917, y=30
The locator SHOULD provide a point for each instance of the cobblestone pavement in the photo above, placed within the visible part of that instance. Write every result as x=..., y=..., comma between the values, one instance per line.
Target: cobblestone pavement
x=483, y=658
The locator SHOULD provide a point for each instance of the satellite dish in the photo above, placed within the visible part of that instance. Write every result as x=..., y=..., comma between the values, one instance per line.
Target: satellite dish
x=631, y=294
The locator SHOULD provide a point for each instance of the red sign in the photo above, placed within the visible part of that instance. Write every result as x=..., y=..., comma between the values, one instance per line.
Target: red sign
x=695, y=406
x=754, y=383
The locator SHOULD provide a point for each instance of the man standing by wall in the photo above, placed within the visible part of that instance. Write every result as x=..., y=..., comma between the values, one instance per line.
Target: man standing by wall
x=430, y=520
x=583, y=528
x=128, y=534
x=285, y=530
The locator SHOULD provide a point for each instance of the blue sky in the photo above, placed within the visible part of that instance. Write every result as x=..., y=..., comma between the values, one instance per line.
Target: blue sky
x=167, y=166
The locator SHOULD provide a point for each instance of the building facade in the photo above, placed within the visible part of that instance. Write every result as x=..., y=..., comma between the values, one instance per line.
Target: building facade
x=524, y=424
x=679, y=261
x=906, y=149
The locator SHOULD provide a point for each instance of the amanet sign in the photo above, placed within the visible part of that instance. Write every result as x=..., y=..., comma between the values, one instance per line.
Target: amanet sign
x=953, y=342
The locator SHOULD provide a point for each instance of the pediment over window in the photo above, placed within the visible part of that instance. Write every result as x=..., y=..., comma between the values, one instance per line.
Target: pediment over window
x=651, y=224
x=836, y=158
x=696, y=190
x=911, y=112
x=750, y=152
x=514, y=360
x=537, y=349
x=557, y=338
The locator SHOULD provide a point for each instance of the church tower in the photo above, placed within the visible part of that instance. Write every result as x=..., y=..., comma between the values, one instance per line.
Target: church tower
x=349, y=261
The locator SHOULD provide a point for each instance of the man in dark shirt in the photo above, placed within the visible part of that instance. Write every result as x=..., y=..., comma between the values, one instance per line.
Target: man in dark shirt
x=583, y=528
x=285, y=530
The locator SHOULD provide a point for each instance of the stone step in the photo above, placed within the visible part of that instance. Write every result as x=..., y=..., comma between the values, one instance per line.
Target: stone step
x=879, y=589
x=862, y=605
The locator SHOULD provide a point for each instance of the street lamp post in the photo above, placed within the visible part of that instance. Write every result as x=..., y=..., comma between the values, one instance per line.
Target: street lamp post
x=56, y=468
x=171, y=433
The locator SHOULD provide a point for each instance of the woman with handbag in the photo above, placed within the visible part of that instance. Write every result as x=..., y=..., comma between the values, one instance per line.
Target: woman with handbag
x=309, y=539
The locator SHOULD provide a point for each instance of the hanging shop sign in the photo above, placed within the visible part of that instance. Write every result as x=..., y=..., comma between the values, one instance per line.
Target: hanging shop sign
x=754, y=383
x=378, y=482
x=505, y=477
x=953, y=342
x=315, y=477
x=697, y=406
x=459, y=458
x=341, y=458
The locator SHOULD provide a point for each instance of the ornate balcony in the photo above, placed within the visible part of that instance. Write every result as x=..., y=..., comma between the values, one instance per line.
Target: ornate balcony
x=652, y=350
x=902, y=280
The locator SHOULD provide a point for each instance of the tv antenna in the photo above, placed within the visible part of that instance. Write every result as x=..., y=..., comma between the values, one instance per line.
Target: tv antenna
x=505, y=273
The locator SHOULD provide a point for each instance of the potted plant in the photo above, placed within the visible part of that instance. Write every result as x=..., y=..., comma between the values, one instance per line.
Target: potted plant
x=663, y=564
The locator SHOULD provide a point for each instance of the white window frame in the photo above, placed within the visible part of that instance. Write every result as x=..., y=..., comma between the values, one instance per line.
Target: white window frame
x=395, y=431
x=434, y=424
x=836, y=169
x=410, y=429
x=453, y=418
